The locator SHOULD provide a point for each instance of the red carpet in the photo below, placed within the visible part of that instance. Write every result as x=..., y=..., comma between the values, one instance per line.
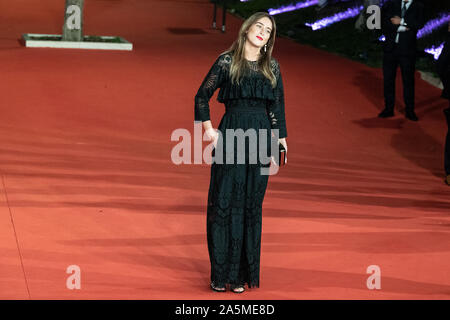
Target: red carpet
x=87, y=180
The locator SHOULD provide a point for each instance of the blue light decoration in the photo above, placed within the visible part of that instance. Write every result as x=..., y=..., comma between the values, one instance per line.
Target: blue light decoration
x=347, y=14
x=297, y=6
x=435, y=51
x=433, y=24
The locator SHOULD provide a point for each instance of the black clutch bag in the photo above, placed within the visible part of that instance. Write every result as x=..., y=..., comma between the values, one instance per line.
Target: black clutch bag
x=281, y=155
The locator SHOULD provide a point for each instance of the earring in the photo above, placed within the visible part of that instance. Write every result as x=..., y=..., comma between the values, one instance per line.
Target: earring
x=265, y=48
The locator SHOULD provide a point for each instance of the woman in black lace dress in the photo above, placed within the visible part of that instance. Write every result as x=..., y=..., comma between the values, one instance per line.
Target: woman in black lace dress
x=252, y=90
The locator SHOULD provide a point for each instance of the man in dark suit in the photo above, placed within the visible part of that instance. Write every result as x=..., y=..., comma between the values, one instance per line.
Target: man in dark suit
x=443, y=69
x=400, y=21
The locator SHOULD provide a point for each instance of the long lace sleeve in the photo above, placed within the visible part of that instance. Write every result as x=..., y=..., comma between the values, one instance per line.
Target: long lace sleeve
x=276, y=107
x=211, y=82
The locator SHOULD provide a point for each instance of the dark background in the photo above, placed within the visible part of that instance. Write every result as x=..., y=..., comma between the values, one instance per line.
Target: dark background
x=341, y=38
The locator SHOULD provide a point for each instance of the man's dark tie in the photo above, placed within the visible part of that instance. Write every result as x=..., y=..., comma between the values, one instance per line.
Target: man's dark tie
x=404, y=8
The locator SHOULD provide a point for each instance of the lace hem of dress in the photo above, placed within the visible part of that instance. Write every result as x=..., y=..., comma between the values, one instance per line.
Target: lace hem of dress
x=232, y=283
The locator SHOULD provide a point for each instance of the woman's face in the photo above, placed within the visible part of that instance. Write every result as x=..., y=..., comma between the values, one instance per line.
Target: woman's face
x=259, y=33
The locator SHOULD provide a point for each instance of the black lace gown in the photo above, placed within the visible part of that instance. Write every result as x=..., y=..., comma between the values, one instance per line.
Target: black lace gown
x=236, y=191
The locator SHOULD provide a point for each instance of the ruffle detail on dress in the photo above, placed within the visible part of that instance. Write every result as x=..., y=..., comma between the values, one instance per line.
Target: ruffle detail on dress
x=250, y=87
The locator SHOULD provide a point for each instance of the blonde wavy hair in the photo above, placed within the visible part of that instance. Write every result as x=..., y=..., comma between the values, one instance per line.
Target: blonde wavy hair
x=237, y=51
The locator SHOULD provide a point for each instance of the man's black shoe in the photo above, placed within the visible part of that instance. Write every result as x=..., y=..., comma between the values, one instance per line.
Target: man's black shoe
x=386, y=113
x=411, y=115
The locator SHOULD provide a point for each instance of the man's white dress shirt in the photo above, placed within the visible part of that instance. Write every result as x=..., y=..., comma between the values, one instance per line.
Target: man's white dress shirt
x=402, y=27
